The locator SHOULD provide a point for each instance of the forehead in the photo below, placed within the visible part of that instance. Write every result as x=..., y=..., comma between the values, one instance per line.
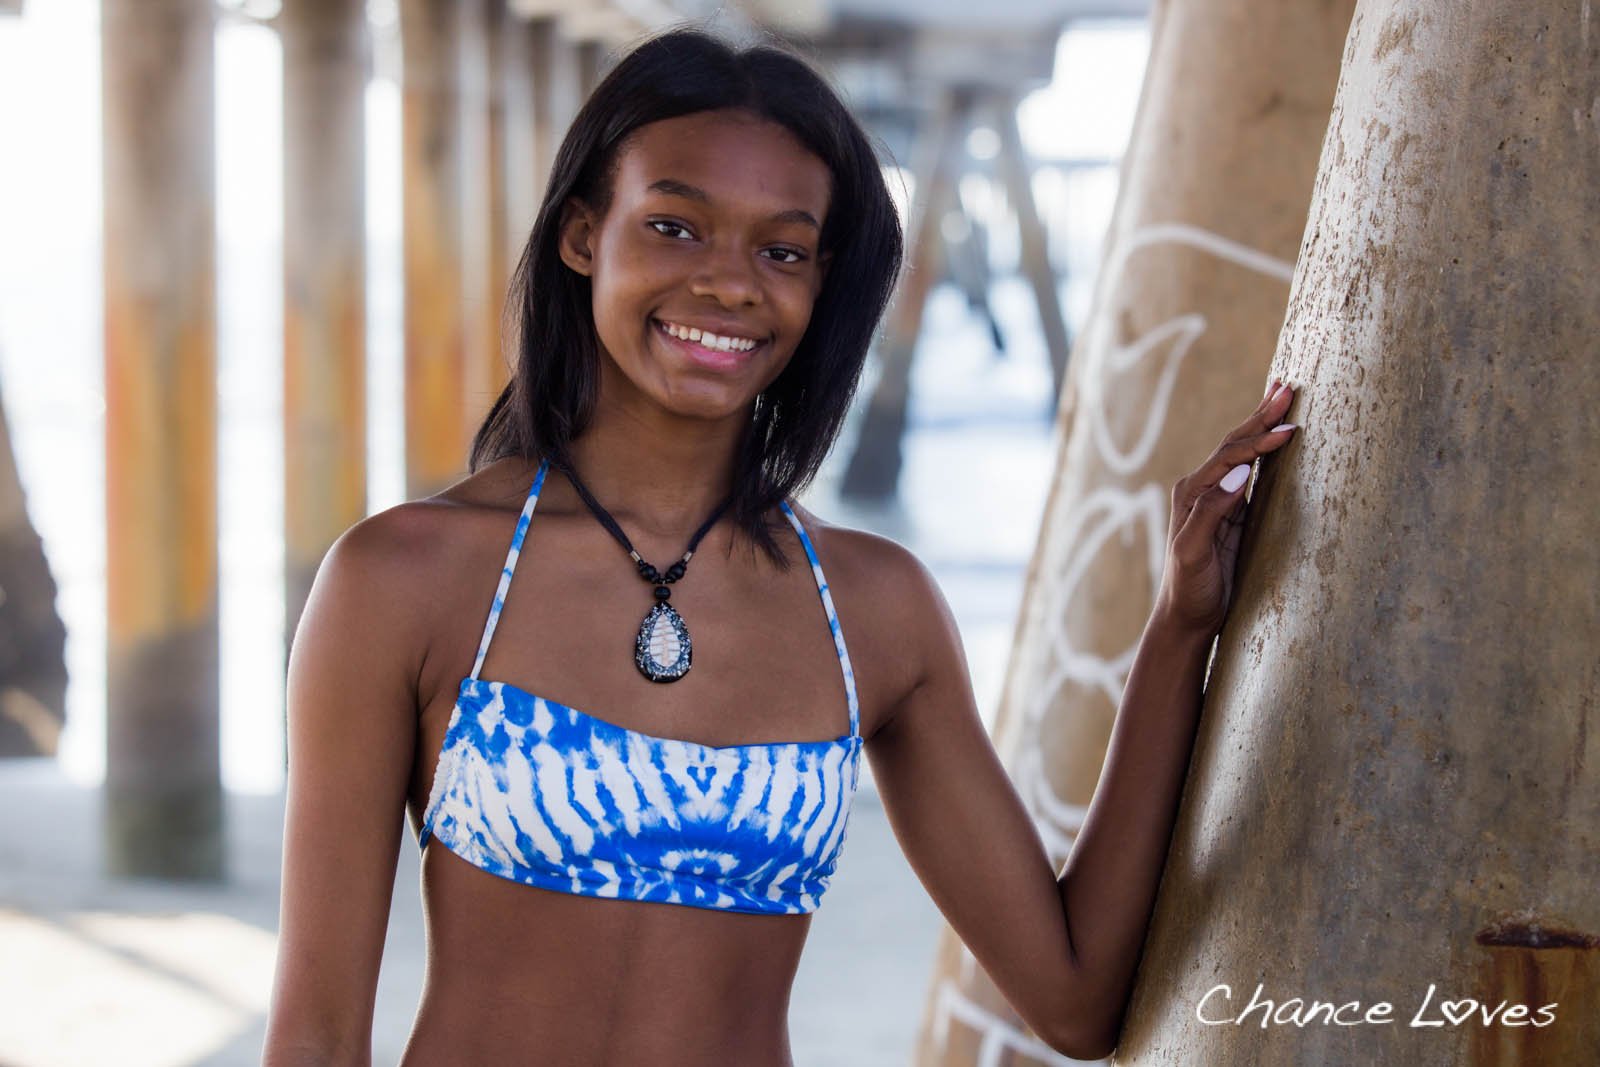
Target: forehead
x=736, y=158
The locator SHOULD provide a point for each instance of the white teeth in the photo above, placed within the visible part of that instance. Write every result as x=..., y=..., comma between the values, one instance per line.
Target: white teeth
x=710, y=340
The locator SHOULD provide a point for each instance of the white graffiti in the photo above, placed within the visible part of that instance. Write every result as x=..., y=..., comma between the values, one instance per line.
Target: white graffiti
x=1181, y=233
x=1177, y=334
x=1074, y=536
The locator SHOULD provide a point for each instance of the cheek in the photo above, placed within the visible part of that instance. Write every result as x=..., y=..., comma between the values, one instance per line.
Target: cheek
x=798, y=303
x=621, y=299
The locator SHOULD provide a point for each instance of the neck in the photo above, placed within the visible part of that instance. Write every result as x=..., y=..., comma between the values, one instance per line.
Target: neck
x=659, y=475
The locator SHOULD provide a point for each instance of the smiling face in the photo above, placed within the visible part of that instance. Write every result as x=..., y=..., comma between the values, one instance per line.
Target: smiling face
x=706, y=264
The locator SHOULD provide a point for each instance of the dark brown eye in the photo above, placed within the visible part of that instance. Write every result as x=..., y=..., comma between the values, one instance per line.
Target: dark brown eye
x=658, y=224
x=795, y=252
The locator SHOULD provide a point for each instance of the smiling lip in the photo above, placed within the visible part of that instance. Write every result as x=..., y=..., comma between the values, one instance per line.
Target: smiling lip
x=713, y=358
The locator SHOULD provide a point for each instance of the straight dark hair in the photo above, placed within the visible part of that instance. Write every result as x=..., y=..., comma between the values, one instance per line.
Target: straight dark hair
x=554, y=387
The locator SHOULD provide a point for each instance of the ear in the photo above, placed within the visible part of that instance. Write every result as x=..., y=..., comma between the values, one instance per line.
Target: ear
x=576, y=232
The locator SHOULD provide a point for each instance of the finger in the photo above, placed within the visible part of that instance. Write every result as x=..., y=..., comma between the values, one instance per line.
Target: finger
x=1198, y=535
x=1246, y=450
x=1266, y=415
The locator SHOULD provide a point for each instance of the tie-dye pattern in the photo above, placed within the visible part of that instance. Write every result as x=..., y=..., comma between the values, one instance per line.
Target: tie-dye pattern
x=548, y=795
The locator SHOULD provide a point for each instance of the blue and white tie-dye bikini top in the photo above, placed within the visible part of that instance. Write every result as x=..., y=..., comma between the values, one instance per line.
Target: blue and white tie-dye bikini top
x=544, y=794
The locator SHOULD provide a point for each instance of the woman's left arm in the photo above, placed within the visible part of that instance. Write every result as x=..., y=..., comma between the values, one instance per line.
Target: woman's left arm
x=1063, y=949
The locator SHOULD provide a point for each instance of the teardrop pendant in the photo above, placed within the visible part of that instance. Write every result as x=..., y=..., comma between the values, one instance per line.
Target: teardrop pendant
x=662, y=649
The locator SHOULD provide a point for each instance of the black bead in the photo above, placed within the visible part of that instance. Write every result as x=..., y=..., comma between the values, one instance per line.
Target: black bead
x=675, y=571
x=662, y=592
x=649, y=572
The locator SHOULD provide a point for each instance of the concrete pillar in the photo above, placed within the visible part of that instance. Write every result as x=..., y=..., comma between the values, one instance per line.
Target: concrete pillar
x=482, y=203
x=513, y=180
x=517, y=171
x=591, y=65
x=1395, y=791
x=435, y=314
x=33, y=666
x=163, y=792
x=326, y=64
x=557, y=93
x=1212, y=205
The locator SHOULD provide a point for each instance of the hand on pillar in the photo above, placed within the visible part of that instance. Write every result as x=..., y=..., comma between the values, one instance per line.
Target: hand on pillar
x=1208, y=515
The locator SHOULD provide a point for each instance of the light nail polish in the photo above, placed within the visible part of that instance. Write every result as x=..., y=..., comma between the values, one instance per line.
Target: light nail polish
x=1235, y=478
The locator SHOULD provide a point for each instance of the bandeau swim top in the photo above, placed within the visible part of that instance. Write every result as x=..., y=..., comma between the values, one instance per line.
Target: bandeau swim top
x=545, y=794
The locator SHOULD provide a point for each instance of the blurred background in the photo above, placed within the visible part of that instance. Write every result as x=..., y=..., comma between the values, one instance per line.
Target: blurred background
x=1001, y=127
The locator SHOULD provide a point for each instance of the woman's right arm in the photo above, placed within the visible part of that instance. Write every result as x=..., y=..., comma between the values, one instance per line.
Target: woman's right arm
x=352, y=709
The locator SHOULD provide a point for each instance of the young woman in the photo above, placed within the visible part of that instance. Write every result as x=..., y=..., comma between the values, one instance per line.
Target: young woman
x=635, y=762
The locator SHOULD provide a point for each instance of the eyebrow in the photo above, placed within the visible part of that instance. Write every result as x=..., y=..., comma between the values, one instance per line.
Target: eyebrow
x=672, y=187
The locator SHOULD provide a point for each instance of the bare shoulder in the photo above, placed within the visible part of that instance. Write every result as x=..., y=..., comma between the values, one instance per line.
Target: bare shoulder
x=895, y=616
x=405, y=575
x=875, y=564
x=393, y=556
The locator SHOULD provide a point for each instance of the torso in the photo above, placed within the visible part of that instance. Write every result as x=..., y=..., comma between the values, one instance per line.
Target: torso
x=518, y=974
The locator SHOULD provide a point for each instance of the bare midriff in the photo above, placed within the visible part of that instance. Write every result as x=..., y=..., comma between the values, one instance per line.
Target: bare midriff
x=522, y=975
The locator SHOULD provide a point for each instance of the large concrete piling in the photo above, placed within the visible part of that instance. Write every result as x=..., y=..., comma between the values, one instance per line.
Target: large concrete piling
x=327, y=60
x=1395, y=793
x=436, y=330
x=163, y=793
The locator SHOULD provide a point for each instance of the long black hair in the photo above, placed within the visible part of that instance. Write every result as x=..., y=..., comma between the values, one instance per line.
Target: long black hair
x=553, y=390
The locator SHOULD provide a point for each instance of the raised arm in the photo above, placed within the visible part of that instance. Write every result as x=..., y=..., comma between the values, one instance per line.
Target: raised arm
x=352, y=726
x=1063, y=949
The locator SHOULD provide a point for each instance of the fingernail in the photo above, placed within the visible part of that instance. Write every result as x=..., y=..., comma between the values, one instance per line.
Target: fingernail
x=1235, y=478
x=1281, y=390
x=1270, y=387
x=1285, y=426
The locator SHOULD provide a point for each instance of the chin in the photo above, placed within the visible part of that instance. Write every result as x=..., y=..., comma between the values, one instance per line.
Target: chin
x=711, y=405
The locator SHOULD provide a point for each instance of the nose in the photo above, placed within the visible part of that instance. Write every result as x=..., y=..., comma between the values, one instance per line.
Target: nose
x=726, y=274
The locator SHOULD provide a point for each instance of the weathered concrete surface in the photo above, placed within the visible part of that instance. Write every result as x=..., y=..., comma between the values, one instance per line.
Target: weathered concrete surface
x=163, y=789
x=326, y=64
x=511, y=162
x=1216, y=184
x=1396, y=791
x=438, y=407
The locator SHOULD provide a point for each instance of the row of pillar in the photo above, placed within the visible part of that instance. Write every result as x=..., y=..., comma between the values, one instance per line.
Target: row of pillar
x=873, y=470
x=486, y=97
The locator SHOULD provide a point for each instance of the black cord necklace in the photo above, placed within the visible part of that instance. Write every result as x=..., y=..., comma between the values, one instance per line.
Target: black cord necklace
x=662, y=649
